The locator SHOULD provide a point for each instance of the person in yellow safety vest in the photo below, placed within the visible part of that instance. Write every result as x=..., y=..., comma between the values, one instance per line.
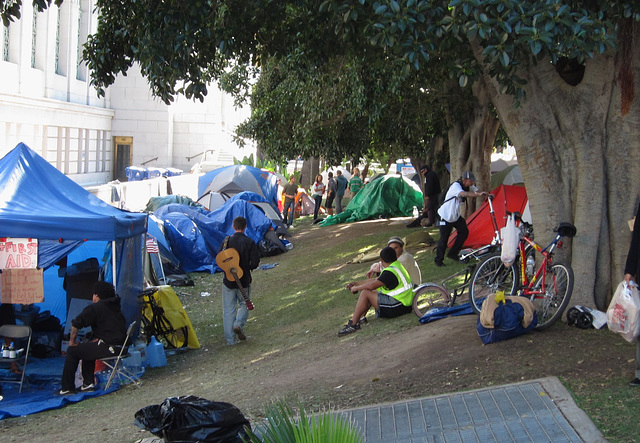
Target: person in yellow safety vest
x=390, y=294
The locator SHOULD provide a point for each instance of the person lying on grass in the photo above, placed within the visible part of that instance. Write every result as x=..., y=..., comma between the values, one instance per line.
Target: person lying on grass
x=390, y=294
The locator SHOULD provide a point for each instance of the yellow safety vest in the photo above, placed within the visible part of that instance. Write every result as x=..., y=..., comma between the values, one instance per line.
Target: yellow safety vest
x=404, y=291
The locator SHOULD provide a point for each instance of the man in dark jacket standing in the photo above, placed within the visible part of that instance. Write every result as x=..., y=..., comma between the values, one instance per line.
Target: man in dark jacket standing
x=431, y=193
x=234, y=309
x=108, y=331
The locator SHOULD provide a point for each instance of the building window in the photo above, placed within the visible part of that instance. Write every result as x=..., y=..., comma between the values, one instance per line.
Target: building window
x=83, y=29
x=57, y=56
x=5, y=43
x=77, y=150
x=34, y=37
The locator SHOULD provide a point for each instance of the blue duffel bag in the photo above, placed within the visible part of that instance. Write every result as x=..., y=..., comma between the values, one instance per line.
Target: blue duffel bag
x=507, y=323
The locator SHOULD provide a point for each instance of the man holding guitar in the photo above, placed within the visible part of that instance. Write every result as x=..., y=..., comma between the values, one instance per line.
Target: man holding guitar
x=238, y=256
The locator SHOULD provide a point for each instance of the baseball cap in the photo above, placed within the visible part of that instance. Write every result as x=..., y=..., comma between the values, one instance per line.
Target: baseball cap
x=468, y=175
x=424, y=168
x=395, y=240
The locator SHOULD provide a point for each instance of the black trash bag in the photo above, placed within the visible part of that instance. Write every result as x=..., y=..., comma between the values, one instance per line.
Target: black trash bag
x=193, y=419
x=268, y=249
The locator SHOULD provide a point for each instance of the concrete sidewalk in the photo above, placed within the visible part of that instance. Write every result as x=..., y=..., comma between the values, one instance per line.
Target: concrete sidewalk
x=533, y=411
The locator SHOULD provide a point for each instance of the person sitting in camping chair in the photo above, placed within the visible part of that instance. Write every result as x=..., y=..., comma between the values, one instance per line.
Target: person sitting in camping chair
x=108, y=332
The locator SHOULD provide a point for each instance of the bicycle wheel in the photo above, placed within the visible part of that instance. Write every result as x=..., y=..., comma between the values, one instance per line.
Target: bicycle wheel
x=169, y=337
x=489, y=277
x=558, y=286
x=428, y=297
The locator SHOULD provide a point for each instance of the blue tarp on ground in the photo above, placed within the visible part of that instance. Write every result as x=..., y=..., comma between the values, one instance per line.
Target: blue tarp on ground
x=39, y=395
x=195, y=234
x=440, y=313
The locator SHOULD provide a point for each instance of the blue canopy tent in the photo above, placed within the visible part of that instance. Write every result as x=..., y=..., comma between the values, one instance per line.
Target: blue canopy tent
x=38, y=201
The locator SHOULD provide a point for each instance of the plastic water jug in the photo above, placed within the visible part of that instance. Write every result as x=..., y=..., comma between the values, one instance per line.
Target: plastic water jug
x=155, y=353
x=134, y=359
x=141, y=347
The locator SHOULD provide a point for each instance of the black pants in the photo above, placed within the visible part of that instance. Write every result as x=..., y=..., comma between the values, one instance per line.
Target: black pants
x=432, y=207
x=88, y=353
x=318, y=200
x=445, y=232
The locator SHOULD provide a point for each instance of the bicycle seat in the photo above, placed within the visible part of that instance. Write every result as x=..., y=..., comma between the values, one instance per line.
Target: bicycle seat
x=566, y=230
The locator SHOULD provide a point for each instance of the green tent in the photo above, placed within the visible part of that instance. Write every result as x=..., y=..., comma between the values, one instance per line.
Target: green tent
x=386, y=196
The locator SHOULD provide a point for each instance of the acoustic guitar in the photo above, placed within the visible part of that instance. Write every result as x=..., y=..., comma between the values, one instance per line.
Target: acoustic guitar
x=229, y=261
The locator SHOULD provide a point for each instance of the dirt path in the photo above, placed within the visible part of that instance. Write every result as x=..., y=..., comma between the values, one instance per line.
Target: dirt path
x=375, y=366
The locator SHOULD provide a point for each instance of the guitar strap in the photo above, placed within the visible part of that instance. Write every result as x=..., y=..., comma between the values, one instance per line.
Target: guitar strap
x=225, y=245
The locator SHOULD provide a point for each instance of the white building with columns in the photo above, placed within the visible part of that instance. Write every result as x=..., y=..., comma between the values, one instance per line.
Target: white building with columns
x=47, y=102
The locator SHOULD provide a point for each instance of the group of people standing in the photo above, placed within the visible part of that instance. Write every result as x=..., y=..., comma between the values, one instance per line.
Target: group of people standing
x=335, y=189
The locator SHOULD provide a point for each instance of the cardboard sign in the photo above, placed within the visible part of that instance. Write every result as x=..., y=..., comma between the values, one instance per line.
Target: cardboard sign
x=23, y=286
x=18, y=253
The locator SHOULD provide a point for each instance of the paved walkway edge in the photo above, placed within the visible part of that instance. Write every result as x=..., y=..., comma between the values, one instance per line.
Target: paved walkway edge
x=579, y=419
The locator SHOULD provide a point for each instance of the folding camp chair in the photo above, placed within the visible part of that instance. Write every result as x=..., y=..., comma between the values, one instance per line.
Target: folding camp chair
x=15, y=333
x=114, y=362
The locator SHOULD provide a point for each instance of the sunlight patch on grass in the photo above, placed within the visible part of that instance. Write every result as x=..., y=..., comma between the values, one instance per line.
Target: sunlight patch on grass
x=265, y=355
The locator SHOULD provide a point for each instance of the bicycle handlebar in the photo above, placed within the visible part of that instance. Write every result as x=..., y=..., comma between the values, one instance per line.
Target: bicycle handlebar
x=147, y=292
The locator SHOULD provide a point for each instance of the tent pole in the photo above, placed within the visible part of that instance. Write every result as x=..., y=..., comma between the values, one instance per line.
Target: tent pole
x=113, y=263
x=164, y=278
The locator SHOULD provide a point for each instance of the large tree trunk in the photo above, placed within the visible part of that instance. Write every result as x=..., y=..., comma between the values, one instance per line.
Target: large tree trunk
x=578, y=147
x=471, y=141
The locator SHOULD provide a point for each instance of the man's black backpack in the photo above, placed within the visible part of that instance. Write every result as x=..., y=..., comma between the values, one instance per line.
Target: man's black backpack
x=443, y=195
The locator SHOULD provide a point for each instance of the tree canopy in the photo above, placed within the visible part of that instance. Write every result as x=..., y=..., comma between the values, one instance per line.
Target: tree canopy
x=350, y=107
x=561, y=75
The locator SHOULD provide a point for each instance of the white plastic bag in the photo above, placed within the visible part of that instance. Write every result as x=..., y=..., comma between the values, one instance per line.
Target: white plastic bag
x=623, y=313
x=510, y=239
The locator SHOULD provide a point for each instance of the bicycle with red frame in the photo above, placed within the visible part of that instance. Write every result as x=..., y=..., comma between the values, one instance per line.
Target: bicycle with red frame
x=549, y=286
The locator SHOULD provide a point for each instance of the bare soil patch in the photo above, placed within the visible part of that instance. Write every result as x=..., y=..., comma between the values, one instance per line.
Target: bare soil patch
x=304, y=359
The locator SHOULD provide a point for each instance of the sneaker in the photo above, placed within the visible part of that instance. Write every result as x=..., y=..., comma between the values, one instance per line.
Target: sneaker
x=439, y=264
x=88, y=388
x=635, y=382
x=239, y=333
x=349, y=328
x=363, y=320
x=65, y=392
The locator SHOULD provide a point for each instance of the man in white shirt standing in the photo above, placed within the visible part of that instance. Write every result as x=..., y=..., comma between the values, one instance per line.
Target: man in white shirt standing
x=450, y=216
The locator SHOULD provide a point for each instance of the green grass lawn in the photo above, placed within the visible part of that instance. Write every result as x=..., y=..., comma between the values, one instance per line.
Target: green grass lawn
x=303, y=300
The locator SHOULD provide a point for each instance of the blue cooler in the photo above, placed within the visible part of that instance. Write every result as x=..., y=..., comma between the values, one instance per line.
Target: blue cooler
x=155, y=172
x=172, y=172
x=135, y=173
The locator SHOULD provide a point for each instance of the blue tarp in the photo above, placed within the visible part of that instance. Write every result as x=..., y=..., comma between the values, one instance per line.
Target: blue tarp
x=195, y=234
x=249, y=196
x=440, y=313
x=39, y=394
